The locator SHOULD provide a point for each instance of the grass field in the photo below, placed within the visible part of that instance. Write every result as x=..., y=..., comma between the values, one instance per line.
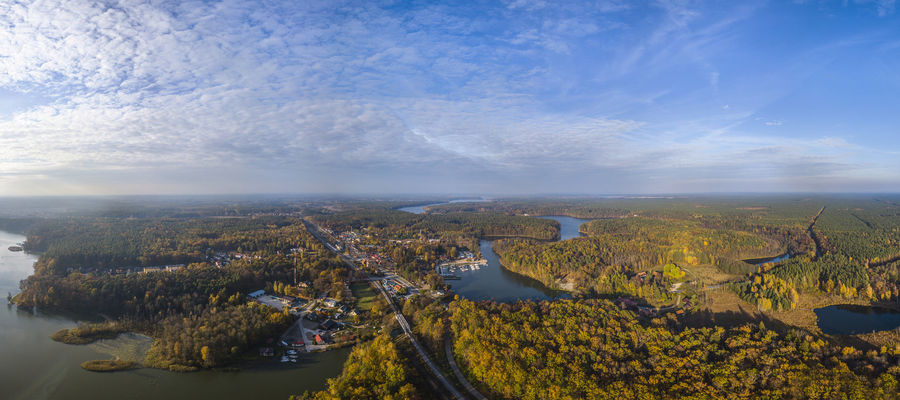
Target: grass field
x=365, y=295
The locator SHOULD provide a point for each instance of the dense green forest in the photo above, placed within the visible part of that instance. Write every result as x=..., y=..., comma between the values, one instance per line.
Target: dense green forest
x=856, y=259
x=590, y=349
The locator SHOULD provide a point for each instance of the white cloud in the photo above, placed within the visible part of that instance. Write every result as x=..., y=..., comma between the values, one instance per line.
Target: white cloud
x=188, y=90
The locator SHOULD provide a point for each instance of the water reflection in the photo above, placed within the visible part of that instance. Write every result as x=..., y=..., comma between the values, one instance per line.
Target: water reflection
x=36, y=367
x=847, y=319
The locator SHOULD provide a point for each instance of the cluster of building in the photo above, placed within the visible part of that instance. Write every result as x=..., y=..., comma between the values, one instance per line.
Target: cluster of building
x=131, y=269
x=162, y=268
x=331, y=309
x=278, y=302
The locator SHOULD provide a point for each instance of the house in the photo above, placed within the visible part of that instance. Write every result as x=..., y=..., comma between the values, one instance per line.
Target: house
x=173, y=268
x=256, y=294
x=319, y=339
x=329, y=324
x=330, y=302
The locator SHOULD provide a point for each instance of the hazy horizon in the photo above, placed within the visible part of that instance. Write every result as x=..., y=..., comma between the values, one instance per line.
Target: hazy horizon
x=497, y=99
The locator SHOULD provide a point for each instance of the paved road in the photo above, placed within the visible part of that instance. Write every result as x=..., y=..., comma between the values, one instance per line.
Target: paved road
x=312, y=228
x=459, y=375
x=406, y=329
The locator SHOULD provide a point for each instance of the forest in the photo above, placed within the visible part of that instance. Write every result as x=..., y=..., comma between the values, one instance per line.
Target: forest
x=616, y=250
x=198, y=315
x=842, y=246
x=375, y=370
x=403, y=225
x=99, y=244
x=565, y=349
x=591, y=349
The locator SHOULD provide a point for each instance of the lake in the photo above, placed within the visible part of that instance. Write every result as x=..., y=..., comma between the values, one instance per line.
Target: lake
x=766, y=260
x=35, y=367
x=494, y=282
x=421, y=209
x=847, y=319
x=568, y=226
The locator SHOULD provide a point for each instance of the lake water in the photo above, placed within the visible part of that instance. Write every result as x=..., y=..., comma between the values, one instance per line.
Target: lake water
x=761, y=261
x=494, y=282
x=568, y=226
x=852, y=319
x=421, y=209
x=35, y=367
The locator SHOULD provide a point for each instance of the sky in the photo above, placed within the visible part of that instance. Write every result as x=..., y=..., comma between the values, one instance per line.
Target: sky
x=495, y=97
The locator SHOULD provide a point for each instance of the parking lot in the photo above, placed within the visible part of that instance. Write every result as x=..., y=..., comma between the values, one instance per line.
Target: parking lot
x=270, y=301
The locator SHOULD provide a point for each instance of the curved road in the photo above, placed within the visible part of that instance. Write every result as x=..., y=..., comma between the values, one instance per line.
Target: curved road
x=459, y=376
x=406, y=329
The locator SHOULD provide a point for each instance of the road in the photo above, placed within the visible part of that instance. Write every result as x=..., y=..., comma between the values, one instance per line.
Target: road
x=406, y=329
x=448, y=348
x=312, y=228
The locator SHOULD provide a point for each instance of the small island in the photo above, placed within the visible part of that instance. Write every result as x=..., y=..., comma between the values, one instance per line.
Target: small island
x=88, y=333
x=108, y=365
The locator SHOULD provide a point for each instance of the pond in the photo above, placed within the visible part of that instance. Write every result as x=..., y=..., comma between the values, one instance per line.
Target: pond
x=35, y=367
x=766, y=260
x=847, y=319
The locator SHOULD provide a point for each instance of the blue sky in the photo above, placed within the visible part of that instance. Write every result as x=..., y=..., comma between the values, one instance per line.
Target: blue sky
x=515, y=97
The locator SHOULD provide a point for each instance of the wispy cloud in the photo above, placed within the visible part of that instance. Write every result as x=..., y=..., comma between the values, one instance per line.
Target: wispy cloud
x=345, y=95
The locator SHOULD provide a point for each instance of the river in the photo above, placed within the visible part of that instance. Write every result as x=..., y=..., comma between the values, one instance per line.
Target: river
x=35, y=367
x=500, y=284
x=494, y=282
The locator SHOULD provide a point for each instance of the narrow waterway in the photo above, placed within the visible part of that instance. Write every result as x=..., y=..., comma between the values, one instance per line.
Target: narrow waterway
x=35, y=367
x=493, y=282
